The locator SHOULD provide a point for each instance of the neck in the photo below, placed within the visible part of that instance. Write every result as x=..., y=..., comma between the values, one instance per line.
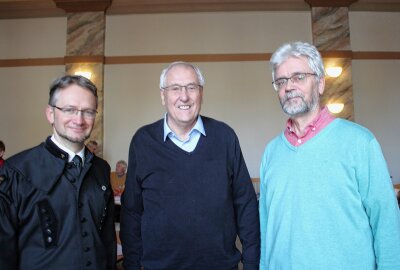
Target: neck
x=74, y=147
x=182, y=131
x=302, y=121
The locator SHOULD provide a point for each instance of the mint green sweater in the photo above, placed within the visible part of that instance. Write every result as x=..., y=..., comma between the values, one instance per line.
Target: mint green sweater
x=329, y=203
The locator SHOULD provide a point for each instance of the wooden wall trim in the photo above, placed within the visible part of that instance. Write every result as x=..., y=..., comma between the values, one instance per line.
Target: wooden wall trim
x=147, y=59
x=84, y=59
x=140, y=59
x=32, y=62
x=337, y=54
x=376, y=55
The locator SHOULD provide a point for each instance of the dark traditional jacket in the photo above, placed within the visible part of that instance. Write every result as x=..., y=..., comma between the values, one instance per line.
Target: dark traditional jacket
x=52, y=220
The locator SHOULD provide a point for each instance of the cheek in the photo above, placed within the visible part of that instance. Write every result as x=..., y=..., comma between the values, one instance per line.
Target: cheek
x=281, y=95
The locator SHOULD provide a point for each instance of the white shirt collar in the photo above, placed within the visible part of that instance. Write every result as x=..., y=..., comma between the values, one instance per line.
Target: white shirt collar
x=70, y=153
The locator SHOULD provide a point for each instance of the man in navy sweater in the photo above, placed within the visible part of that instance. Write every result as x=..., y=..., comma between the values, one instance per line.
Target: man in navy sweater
x=188, y=193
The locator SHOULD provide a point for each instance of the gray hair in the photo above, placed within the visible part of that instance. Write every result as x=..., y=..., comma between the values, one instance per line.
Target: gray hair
x=122, y=162
x=67, y=80
x=163, y=76
x=298, y=49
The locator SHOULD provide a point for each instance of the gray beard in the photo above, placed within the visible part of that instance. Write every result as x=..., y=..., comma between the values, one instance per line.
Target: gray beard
x=302, y=108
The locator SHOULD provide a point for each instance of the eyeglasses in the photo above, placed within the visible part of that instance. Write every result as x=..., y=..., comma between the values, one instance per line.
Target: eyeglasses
x=176, y=88
x=297, y=78
x=70, y=111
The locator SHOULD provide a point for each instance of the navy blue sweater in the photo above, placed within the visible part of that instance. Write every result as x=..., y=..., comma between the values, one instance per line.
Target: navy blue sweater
x=183, y=210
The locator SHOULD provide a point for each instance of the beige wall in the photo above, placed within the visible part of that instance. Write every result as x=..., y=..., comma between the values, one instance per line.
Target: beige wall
x=375, y=31
x=23, y=98
x=184, y=33
x=377, y=105
x=33, y=38
x=238, y=93
x=375, y=87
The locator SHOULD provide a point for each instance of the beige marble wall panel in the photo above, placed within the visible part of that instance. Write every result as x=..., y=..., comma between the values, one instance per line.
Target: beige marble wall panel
x=331, y=32
x=330, y=27
x=86, y=36
x=340, y=90
x=85, y=33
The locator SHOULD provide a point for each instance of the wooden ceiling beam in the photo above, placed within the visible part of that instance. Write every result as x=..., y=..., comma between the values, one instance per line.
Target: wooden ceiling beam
x=331, y=3
x=165, y=6
x=83, y=5
x=10, y=9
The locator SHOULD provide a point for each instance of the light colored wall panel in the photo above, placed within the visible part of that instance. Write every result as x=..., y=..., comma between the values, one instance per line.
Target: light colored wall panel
x=376, y=105
x=194, y=33
x=375, y=31
x=33, y=38
x=131, y=100
x=24, y=93
x=238, y=93
x=241, y=95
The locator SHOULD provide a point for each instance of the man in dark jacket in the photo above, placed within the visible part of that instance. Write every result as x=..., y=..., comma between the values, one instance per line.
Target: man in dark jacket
x=188, y=193
x=56, y=202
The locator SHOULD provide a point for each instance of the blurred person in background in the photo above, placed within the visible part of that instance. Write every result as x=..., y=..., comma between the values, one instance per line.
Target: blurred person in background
x=118, y=177
x=92, y=146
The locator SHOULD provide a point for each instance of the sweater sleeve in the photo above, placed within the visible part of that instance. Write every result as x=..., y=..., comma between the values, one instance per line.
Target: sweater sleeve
x=131, y=215
x=246, y=209
x=380, y=204
x=263, y=212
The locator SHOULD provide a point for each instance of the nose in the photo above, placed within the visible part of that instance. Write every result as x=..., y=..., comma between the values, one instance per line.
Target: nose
x=287, y=86
x=78, y=117
x=183, y=94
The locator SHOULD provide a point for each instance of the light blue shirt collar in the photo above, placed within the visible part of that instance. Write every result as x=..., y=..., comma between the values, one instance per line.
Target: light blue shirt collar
x=198, y=126
x=194, y=135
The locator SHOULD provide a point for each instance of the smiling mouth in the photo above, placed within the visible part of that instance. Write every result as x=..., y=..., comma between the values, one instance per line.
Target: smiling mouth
x=290, y=98
x=184, y=107
x=78, y=129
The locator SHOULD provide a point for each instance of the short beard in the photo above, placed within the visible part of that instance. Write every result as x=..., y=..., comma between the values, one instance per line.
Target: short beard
x=73, y=140
x=302, y=108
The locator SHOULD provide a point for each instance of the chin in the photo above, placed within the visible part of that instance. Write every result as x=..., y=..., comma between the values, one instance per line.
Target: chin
x=77, y=139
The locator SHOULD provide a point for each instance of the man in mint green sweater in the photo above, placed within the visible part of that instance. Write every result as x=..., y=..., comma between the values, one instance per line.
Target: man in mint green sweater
x=326, y=199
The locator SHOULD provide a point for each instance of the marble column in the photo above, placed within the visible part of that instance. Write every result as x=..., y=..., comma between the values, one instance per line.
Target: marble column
x=85, y=52
x=331, y=35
